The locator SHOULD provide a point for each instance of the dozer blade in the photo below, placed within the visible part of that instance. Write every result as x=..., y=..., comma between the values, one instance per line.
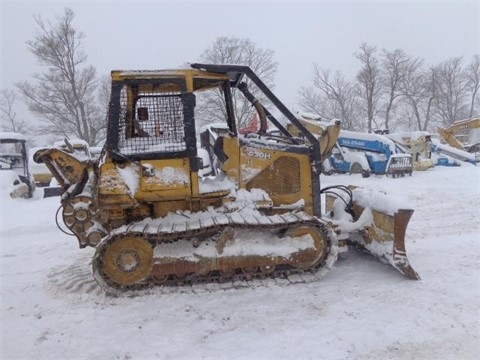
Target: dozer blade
x=379, y=227
x=385, y=238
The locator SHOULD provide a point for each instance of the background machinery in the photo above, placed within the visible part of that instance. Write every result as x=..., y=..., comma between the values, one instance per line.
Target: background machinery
x=463, y=135
x=380, y=152
x=41, y=173
x=75, y=147
x=447, y=155
x=343, y=160
x=154, y=220
x=15, y=174
x=427, y=151
x=418, y=144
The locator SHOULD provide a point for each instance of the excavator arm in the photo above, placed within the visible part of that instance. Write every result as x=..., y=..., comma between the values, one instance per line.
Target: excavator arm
x=449, y=134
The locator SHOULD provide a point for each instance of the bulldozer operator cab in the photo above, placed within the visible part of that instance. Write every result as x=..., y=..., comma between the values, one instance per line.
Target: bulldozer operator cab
x=152, y=122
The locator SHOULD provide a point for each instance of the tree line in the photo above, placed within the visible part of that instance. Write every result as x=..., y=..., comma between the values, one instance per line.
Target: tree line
x=392, y=89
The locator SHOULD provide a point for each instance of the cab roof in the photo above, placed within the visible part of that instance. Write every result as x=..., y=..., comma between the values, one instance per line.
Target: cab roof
x=12, y=136
x=201, y=75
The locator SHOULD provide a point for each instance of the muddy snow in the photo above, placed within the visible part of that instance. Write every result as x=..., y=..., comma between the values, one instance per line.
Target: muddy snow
x=51, y=308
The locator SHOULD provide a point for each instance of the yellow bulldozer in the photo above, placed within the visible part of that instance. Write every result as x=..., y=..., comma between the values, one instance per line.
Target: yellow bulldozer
x=154, y=221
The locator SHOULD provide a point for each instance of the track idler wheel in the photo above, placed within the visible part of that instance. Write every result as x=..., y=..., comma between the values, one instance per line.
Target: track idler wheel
x=79, y=216
x=249, y=272
x=310, y=257
x=124, y=261
x=226, y=274
x=160, y=279
x=267, y=269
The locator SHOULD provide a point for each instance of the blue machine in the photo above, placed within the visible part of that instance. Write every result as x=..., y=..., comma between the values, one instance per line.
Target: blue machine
x=448, y=156
x=342, y=160
x=377, y=152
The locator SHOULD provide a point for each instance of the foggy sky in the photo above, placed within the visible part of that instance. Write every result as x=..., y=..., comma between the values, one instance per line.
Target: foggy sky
x=160, y=34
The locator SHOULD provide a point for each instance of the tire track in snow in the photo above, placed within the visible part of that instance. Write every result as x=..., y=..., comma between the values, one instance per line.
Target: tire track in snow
x=75, y=278
x=28, y=230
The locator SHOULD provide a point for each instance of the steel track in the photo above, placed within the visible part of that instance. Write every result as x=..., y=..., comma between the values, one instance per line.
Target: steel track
x=168, y=233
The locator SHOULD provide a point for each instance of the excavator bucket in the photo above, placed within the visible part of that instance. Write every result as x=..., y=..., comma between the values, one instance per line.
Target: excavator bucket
x=378, y=227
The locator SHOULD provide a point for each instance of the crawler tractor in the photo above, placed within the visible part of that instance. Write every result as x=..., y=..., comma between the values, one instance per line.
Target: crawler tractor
x=154, y=220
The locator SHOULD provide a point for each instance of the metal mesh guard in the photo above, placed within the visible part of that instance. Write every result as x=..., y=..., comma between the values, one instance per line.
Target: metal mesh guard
x=157, y=125
x=399, y=163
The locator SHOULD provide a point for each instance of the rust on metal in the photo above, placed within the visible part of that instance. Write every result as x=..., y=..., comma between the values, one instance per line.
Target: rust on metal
x=128, y=261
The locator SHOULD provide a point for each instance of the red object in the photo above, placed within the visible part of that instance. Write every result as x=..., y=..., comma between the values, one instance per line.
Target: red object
x=252, y=126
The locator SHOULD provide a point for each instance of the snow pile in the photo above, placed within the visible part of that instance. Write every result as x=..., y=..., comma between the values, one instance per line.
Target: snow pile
x=170, y=176
x=142, y=146
x=167, y=175
x=362, y=138
x=213, y=184
x=244, y=198
x=474, y=136
x=406, y=137
x=130, y=176
x=380, y=201
x=344, y=221
x=51, y=307
x=244, y=243
x=8, y=178
x=249, y=172
x=453, y=152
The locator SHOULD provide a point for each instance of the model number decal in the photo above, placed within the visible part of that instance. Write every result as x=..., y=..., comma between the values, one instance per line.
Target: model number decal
x=351, y=142
x=251, y=152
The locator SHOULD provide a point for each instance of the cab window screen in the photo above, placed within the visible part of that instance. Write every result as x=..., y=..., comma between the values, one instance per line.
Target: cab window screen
x=155, y=124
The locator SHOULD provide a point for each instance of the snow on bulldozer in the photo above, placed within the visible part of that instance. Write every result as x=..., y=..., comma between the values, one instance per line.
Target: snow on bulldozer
x=154, y=221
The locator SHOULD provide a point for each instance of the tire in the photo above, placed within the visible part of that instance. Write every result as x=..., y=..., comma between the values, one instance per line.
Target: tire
x=365, y=174
x=356, y=168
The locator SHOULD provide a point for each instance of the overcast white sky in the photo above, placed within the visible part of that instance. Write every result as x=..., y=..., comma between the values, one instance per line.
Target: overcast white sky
x=166, y=34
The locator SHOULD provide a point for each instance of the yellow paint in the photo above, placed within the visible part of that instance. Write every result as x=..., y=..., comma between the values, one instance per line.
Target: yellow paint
x=327, y=136
x=111, y=189
x=128, y=260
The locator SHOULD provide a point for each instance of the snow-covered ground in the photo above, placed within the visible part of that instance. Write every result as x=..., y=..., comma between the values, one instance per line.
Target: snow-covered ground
x=51, y=308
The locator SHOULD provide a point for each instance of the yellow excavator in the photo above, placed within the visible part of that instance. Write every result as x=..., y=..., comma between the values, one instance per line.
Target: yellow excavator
x=154, y=221
x=463, y=135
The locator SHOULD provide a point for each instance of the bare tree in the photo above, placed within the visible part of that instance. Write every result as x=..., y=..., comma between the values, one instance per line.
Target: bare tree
x=231, y=50
x=63, y=97
x=331, y=96
x=419, y=88
x=313, y=102
x=451, y=91
x=10, y=122
x=396, y=66
x=369, y=85
x=104, y=92
x=472, y=74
